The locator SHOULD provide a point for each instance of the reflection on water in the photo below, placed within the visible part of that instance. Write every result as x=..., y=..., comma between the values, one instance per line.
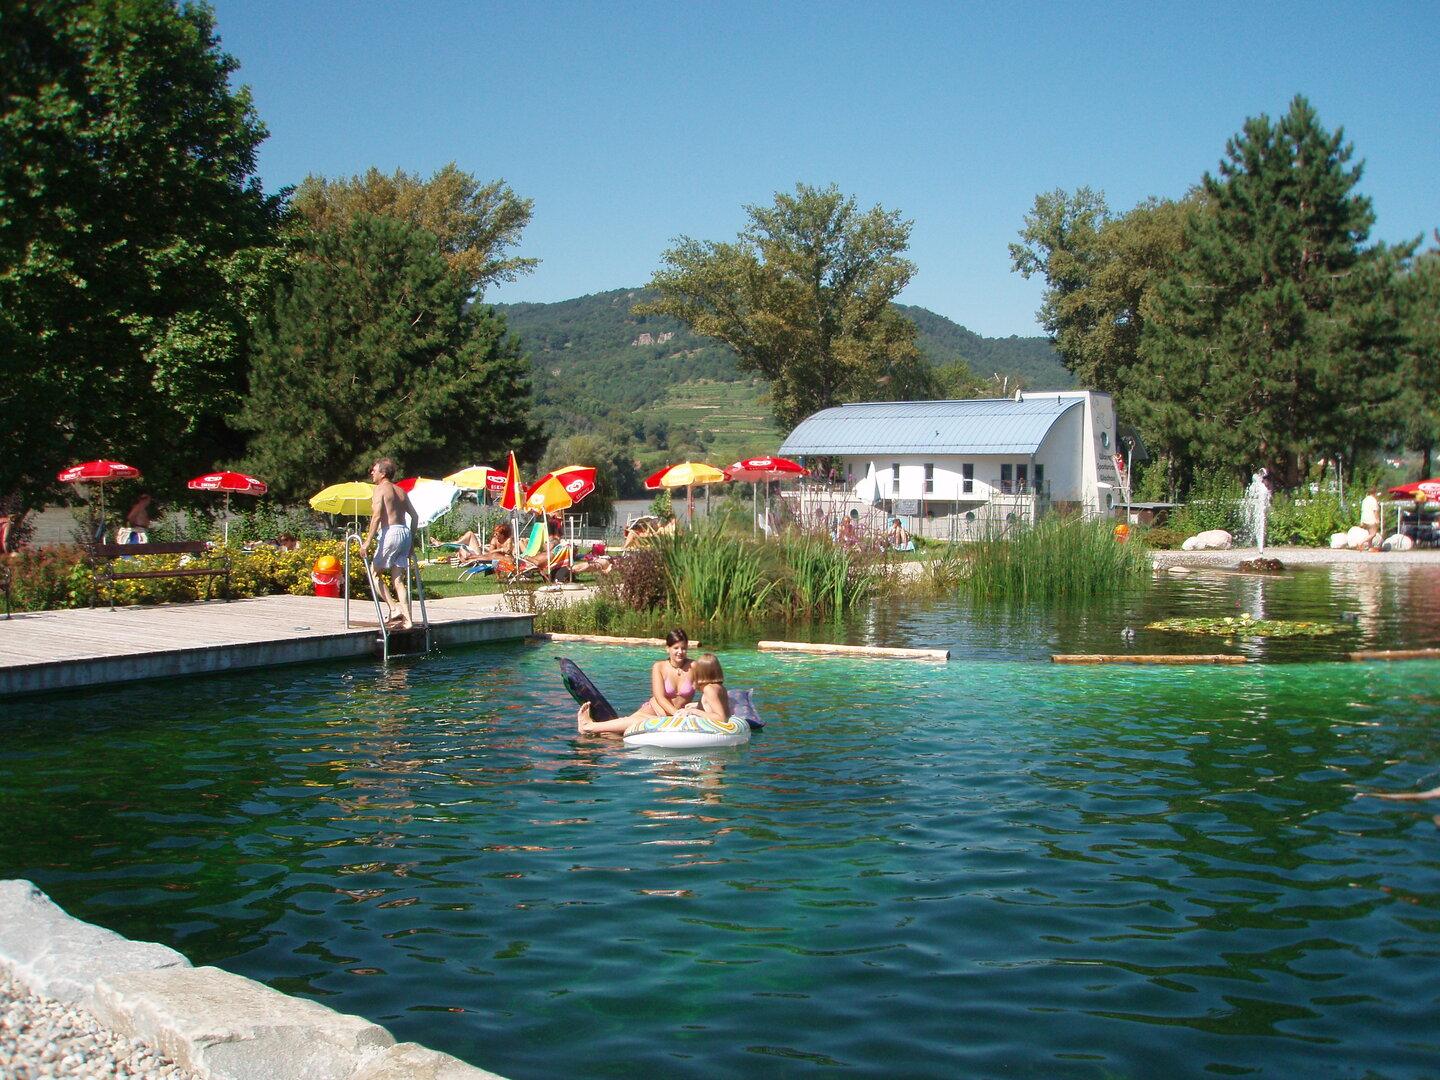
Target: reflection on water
x=989, y=867
x=1378, y=607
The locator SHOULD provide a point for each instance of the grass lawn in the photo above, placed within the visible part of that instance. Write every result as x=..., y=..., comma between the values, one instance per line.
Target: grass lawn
x=443, y=581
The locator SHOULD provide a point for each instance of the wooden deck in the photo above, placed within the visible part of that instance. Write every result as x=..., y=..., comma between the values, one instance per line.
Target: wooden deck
x=90, y=647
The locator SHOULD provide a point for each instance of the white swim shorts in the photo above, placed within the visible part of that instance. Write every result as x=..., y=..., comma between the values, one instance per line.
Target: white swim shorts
x=392, y=550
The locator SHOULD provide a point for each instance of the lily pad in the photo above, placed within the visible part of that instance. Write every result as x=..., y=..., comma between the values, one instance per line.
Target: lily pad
x=1246, y=626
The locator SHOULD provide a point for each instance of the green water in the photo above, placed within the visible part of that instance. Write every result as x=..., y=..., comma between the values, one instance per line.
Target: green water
x=989, y=867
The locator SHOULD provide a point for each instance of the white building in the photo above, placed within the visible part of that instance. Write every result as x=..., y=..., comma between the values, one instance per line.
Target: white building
x=972, y=462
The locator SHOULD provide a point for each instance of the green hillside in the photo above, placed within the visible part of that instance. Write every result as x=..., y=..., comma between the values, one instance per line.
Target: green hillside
x=597, y=367
x=1033, y=359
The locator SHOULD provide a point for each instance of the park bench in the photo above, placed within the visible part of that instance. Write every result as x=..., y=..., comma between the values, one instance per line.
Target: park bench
x=112, y=563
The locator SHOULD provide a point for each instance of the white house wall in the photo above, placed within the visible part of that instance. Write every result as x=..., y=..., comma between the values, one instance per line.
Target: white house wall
x=1061, y=451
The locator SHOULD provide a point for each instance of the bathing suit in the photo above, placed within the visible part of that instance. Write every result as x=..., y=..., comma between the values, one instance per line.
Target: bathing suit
x=686, y=690
x=392, y=550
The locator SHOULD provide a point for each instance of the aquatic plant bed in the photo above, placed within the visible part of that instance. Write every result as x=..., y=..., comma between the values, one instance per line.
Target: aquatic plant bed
x=1246, y=626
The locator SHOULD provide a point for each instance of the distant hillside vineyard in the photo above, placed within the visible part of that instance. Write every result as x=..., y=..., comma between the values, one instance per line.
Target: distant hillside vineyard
x=598, y=367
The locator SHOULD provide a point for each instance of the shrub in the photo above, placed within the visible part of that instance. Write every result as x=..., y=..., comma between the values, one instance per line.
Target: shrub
x=1161, y=538
x=62, y=577
x=1214, y=503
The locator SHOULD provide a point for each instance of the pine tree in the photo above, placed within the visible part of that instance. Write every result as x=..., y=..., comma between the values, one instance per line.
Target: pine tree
x=372, y=350
x=1274, y=342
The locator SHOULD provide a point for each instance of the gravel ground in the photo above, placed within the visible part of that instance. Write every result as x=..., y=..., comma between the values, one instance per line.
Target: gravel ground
x=44, y=1039
x=1296, y=556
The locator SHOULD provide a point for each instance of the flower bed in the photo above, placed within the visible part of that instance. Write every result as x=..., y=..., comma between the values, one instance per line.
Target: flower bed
x=61, y=577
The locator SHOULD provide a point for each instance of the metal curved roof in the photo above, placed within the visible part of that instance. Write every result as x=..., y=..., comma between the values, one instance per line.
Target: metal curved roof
x=985, y=426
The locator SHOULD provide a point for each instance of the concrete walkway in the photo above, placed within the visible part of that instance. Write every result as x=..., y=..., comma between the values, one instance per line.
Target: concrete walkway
x=87, y=647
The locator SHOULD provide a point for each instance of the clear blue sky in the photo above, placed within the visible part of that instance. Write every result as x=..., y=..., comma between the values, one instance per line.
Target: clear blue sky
x=630, y=124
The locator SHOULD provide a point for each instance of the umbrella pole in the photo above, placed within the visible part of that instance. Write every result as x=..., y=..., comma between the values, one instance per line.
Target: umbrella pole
x=690, y=502
x=227, y=519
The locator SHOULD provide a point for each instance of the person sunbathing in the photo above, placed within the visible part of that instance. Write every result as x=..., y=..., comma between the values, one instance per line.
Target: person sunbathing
x=502, y=542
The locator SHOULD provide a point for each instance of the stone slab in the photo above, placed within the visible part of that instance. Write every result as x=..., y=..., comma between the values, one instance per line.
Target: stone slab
x=228, y=1027
x=411, y=1061
x=61, y=957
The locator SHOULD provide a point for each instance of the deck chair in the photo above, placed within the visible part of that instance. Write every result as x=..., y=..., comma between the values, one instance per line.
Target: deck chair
x=527, y=563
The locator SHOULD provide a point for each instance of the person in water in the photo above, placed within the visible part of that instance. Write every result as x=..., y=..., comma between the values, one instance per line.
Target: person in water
x=672, y=686
x=714, y=703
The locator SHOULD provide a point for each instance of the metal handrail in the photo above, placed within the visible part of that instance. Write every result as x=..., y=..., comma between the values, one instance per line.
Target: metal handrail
x=374, y=590
x=413, y=581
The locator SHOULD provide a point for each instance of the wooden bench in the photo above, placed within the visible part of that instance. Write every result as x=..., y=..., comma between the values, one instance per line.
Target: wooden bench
x=111, y=564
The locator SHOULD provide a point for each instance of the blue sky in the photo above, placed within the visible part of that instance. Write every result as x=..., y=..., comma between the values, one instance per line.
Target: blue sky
x=630, y=124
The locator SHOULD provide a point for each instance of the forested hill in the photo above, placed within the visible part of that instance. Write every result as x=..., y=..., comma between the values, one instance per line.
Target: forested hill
x=1032, y=358
x=596, y=365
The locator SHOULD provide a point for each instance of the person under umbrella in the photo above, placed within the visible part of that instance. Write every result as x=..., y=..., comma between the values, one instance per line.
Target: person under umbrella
x=98, y=472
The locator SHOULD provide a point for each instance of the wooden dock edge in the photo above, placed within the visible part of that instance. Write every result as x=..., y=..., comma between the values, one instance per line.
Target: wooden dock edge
x=853, y=650
x=1395, y=654
x=1138, y=658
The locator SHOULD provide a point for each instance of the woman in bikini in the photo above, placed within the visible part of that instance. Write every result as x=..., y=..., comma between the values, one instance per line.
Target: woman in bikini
x=705, y=675
x=501, y=543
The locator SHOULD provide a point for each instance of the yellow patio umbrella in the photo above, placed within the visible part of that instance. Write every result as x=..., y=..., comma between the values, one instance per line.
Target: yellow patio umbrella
x=352, y=499
x=481, y=479
x=686, y=474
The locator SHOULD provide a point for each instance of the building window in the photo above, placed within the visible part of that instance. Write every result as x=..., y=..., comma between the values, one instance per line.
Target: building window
x=929, y=478
x=1039, y=477
x=895, y=478
x=1020, y=478
x=967, y=477
x=1007, y=479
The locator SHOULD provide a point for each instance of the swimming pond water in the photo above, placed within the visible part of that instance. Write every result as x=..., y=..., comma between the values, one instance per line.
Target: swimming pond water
x=987, y=867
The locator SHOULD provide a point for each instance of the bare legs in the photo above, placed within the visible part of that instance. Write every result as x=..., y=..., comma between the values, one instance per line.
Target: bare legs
x=585, y=726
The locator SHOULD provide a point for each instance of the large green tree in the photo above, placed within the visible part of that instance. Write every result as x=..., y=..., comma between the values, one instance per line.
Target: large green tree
x=133, y=235
x=1275, y=340
x=803, y=296
x=476, y=223
x=373, y=348
x=1101, y=270
x=1418, y=406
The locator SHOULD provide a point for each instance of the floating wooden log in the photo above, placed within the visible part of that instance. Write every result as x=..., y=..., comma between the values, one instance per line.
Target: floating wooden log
x=1140, y=658
x=853, y=650
x=602, y=639
x=1395, y=654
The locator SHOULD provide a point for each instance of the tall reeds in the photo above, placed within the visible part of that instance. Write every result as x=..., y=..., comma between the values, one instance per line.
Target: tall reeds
x=712, y=574
x=1060, y=558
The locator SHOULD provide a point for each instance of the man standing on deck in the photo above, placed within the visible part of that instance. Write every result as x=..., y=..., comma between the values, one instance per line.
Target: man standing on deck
x=391, y=514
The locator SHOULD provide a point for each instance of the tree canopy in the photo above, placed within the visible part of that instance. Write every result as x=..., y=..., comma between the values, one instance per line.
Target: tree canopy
x=133, y=234
x=803, y=296
x=1274, y=341
x=477, y=224
x=1101, y=270
x=372, y=348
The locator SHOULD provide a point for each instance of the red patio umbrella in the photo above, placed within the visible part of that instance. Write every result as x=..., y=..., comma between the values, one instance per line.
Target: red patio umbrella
x=1429, y=488
x=764, y=469
x=98, y=472
x=230, y=483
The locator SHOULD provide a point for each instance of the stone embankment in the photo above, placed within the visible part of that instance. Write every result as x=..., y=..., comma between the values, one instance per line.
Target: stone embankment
x=77, y=1000
x=1297, y=556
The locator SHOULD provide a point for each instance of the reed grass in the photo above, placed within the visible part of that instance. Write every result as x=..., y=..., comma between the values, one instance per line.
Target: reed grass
x=1060, y=558
x=713, y=574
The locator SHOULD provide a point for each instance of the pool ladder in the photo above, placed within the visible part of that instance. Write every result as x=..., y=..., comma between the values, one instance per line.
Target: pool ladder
x=407, y=639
